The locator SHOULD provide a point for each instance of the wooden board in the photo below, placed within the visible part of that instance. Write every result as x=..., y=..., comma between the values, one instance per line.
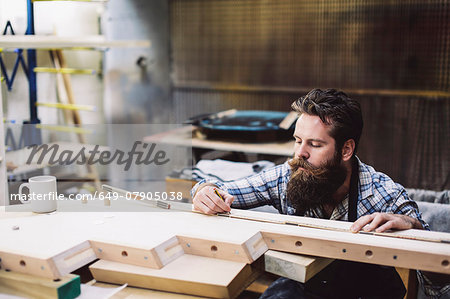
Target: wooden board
x=139, y=293
x=58, y=241
x=60, y=42
x=294, y=266
x=188, y=274
x=24, y=285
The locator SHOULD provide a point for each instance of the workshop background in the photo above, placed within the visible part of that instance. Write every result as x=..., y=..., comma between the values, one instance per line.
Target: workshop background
x=212, y=55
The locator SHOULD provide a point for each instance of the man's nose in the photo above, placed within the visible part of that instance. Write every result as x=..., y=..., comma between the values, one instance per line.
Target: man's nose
x=302, y=152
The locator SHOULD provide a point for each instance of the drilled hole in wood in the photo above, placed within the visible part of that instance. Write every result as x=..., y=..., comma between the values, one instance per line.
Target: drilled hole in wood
x=124, y=253
x=214, y=248
x=369, y=253
x=445, y=263
x=22, y=263
x=56, y=280
x=344, y=250
x=298, y=243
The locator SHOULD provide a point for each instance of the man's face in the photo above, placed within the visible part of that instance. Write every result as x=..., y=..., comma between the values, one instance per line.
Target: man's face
x=313, y=142
x=317, y=169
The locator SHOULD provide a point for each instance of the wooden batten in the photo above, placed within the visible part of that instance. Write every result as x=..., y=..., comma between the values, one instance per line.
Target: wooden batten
x=30, y=286
x=169, y=250
x=54, y=267
x=188, y=274
x=154, y=258
x=382, y=251
x=74, y=258
x=28, y=264
x=246, y=252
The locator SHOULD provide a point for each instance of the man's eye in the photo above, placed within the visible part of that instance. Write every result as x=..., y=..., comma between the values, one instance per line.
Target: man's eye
x=298, y=141
x=315, y=145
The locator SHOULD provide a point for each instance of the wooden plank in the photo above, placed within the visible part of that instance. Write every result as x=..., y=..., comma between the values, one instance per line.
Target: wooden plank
x=294, y=266
x=391, y=252
x=246, y=252
x=25, y=285
x=140, y=293
x=60, y=42
x=151, y=229
x=53, y=267
x=189, y=274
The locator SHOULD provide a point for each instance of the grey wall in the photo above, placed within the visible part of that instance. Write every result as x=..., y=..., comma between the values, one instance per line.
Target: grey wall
x=135, y=94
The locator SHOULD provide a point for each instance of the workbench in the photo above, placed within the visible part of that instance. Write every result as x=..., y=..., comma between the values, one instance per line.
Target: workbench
x=144, y=246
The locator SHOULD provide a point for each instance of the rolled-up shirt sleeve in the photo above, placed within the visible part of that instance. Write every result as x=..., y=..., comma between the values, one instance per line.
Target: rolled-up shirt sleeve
x=264, y=188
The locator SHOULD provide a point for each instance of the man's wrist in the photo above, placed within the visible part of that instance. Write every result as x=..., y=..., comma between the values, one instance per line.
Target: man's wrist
x=415, y=223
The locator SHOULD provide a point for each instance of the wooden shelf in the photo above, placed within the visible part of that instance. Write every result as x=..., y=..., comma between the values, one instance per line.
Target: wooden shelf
x=183, y=137
x=59, y=42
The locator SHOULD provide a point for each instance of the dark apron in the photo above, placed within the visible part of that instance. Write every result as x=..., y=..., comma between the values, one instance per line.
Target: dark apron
x=344, y=279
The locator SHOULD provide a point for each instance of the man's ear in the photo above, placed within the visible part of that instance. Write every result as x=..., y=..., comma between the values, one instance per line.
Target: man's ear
x=347, y=149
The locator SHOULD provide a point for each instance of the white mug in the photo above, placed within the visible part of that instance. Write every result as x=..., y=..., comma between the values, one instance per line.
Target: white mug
x=43, y=195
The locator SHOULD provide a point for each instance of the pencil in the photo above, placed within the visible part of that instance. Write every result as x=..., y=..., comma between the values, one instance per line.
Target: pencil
x=218, y=194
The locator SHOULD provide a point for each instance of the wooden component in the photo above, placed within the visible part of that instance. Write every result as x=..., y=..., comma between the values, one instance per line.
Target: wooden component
x=246, y=252
x=45, y=237
x=54, y=267
x=59, y=42
x=261, y=284
x=336, y=226
x=140, y=293
x=189, y=274
x=409, y=278
x=155, y=257
x=294, y=266
x=25, y=285
x=381, y=251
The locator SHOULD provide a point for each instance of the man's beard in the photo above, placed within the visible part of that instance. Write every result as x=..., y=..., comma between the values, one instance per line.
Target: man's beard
x=313, y=187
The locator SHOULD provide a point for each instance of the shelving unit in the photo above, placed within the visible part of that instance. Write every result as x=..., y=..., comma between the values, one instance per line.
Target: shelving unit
x=46, y=42
x=55, y=44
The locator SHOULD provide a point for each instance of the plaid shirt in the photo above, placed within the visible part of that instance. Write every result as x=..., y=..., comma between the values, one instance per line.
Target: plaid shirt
x=377, y=193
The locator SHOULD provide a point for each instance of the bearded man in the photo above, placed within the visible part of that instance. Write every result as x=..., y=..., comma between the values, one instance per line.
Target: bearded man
x=325, y=179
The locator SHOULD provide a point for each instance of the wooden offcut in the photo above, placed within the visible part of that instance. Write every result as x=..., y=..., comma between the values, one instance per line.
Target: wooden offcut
x=294, y=266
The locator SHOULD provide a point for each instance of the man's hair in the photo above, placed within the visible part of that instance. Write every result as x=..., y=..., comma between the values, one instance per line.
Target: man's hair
x=334, y=108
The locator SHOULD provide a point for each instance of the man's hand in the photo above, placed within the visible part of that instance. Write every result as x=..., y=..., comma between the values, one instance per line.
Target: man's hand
x=207, y=201
x=381, y=222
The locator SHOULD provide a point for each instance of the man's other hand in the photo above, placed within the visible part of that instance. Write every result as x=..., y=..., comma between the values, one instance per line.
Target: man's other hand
x=208, y=202
x=381, y=222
